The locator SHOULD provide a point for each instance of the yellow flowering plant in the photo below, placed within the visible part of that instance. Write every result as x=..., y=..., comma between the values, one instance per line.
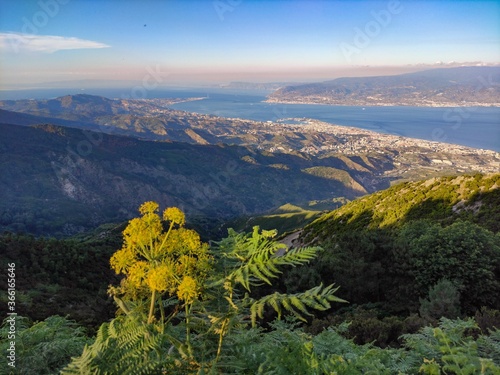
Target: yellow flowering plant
x=157, y=260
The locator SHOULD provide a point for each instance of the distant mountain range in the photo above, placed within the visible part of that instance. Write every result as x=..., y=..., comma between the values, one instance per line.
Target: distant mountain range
x=256, y=85
x=461, y=86
x=71, y=163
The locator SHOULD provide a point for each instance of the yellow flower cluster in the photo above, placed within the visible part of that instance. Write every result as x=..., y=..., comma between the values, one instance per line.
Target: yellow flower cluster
x=188, y=290
x=140, y=231
x=153, y=260
x=149, y=208
x=122, y=260
x=137, y=273
x=158, y=278
x=183, y=240
x=174, y=215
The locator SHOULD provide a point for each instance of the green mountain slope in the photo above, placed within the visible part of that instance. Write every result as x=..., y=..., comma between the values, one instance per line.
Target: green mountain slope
x=336, y=174
x=391, y=247
x=475, y=198
x=285, y=218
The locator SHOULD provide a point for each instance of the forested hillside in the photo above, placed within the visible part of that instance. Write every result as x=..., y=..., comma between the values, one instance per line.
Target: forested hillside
x=446, y=199
x=393, y=250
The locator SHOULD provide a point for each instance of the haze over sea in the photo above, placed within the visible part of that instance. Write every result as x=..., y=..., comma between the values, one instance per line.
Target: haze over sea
x=477, y=127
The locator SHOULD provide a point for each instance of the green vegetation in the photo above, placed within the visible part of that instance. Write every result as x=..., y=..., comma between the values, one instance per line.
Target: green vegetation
x=453, y=347
x=391, y=252
x=464, y=253
x=419, y=265
x=45, y=347
x=61, y=277
x=185, y=309
x=177, y=309
x=443, y=301
x=473, y=198
x=288, y=217
x=285, y=218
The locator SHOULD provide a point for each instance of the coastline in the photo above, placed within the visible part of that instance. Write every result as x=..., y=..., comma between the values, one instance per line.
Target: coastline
x=395, y=104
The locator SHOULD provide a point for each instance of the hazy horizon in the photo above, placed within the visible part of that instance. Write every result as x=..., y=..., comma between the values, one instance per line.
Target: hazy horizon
x=216, y=42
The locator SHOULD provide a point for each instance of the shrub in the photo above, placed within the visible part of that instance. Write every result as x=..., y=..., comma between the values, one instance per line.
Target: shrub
x=443, y=301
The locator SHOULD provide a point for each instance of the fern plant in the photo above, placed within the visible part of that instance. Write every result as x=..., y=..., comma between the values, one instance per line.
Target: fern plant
x=285, y=348
x=489, y=346
x=44, y=347
x=449, y=349
x=126, y=345
x=253, y=259
x=317, y=298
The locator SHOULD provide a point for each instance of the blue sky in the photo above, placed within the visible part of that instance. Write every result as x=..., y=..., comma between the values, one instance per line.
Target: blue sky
x=224, y=40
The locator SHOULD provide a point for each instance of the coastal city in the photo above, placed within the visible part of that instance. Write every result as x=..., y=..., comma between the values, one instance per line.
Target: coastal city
x=410, y=157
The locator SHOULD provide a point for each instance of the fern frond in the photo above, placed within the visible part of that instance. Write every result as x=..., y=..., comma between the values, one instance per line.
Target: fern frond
x=317, y=298
x=255, y=257
x=299, y=305
x=297, y=256
x=126, y=346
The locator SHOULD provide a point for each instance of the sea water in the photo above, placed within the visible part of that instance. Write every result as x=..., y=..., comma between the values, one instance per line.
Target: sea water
x=477, y=127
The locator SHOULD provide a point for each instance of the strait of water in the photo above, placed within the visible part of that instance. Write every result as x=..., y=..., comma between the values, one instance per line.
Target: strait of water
x=477, y=127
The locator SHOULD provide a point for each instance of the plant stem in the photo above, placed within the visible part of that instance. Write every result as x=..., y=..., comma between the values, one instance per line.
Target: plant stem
x=152, y=307
x=188, y=340
x=162, y=312
x=221, y=336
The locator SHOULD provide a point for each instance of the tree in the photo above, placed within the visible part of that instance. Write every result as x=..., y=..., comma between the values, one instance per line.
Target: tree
x=354, y=260
x=463, y=252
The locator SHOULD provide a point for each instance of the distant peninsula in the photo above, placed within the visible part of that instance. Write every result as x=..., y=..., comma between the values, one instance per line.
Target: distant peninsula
x=443, y=87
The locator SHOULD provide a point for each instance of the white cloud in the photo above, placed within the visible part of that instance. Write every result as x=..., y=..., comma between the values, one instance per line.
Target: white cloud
x=17, y=42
